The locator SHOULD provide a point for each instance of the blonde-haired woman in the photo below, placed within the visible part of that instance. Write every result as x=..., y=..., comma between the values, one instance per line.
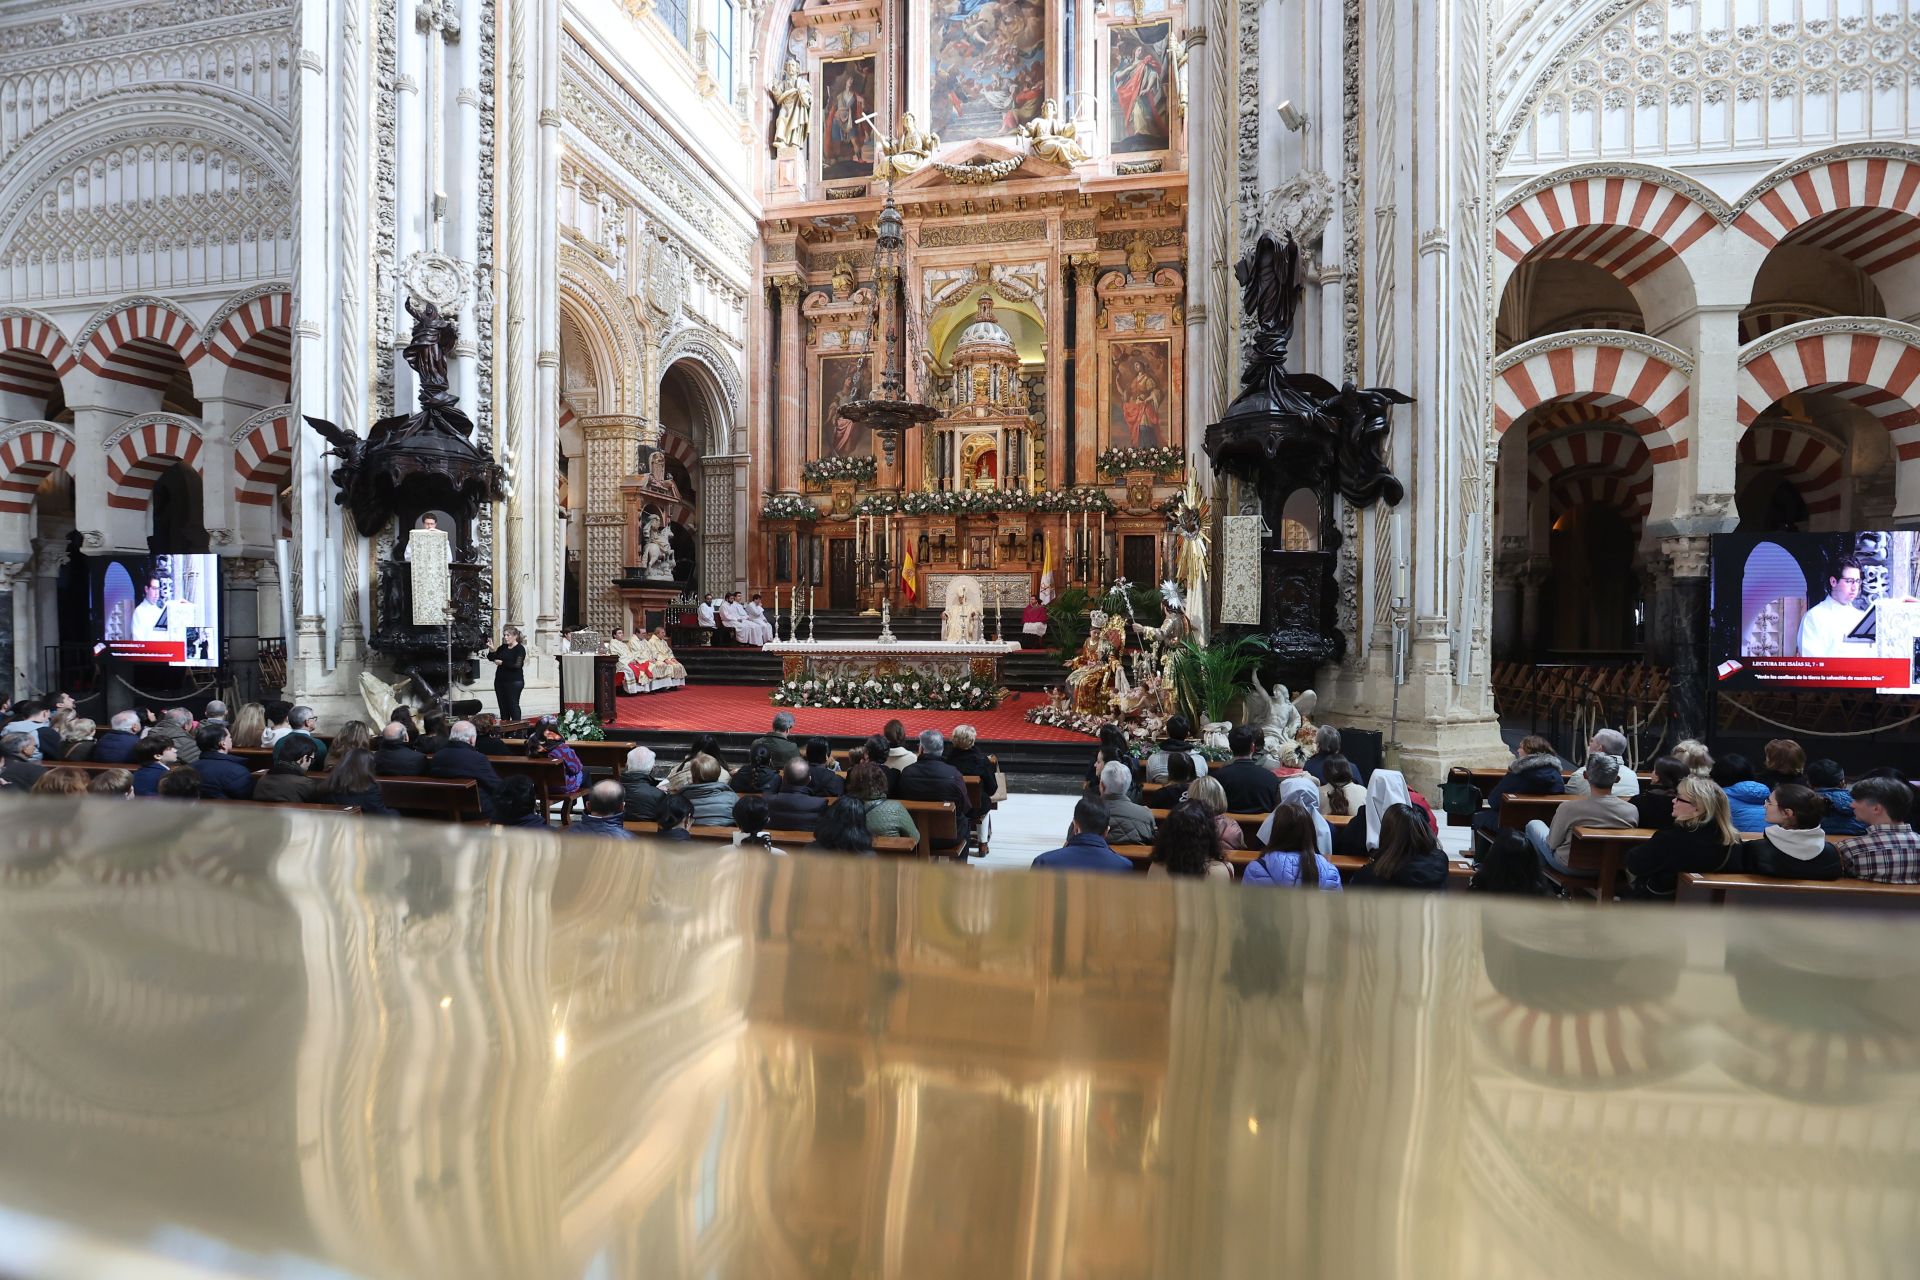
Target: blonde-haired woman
x=1211, y=796
x=250, y=725
x=1694, y=754
x=1701, y=838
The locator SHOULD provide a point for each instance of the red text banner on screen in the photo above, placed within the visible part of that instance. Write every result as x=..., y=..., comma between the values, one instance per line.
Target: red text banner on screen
x=1856, y=673
x=149, y=650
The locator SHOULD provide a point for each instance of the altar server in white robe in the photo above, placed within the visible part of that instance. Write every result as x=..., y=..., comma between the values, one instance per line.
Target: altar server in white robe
x=705, y=612
x=754, y=628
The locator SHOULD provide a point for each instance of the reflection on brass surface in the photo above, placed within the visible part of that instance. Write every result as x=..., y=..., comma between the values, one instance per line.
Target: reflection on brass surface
x=274, y=1042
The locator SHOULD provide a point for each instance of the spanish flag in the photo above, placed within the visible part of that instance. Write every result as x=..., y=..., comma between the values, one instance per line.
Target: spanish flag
x=909, y=577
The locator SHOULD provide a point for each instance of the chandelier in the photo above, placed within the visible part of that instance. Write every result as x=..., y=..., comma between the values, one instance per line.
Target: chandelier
x=888, y=413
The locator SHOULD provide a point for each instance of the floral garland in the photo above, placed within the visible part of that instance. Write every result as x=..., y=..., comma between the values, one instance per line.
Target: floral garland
x=787, y=506
x=978, y=172
x=1163, y=461
x=962, y=502
x=581, y=726
x=827, y=470
x=907, y=691
x=1061, y=717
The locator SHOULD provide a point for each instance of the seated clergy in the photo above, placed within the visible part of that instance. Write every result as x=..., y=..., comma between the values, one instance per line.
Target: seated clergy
x=750, y=629
x=633, y=663
x=757, y=619
x=667, y=669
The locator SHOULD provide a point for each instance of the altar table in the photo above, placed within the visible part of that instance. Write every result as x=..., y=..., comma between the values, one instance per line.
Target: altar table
x=847, y=659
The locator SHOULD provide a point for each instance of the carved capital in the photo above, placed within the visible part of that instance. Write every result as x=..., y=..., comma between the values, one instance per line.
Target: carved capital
x=1194, y=37
x=1687, y=555
x=1086, y=266
x=789, y=288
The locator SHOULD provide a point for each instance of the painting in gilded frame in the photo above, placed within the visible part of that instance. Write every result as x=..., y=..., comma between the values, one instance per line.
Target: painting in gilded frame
x=987, y=66
x=846, y=91
x=1139, y=97
x=842, y=378
x=1138, y=396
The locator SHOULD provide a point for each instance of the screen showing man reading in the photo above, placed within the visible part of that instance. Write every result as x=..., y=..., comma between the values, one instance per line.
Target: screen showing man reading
x=1826, y=626
x=1817, y=610
x=163, y=610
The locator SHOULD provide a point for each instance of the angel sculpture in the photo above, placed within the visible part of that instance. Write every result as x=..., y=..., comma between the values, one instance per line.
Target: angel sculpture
x=1360, y=446
x=1277, y=715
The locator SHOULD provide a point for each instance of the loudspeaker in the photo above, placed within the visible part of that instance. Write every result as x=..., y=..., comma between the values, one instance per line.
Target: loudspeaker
x=1364, y=748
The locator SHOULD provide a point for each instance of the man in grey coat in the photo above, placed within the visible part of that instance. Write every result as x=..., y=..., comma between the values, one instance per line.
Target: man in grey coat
x=1127, y=822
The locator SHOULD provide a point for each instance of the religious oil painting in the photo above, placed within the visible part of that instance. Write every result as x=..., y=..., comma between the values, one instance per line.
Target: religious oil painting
x=1142, y=119
x=842, y=378
x=1138, y=397
x=988, y=66
x=846, y=89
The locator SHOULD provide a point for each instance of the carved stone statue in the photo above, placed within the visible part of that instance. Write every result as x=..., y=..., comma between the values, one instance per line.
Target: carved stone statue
x=1139, y=260
x=793, y=112
x=1052, y=138
x=656, y=549
x=898, y=157
x=843, y=280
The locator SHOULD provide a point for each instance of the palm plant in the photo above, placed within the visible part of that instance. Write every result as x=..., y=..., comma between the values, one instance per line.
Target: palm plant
x=1207, y=678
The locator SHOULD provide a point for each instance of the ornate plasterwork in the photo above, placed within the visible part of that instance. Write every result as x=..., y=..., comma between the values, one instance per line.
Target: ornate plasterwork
x=1694, y=75
x=999, y=231
x=595, y=103
x=145, y=27
x=1668, y=178
x=38, y=427
x=257, y=421
x=1889, y=150
x=1680, y=360
x=699, y=347
x=1872, y=326
x=1302, y=205
x=143, y=420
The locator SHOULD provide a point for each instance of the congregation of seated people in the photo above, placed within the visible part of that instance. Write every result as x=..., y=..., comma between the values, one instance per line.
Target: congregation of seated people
x=1791, y=818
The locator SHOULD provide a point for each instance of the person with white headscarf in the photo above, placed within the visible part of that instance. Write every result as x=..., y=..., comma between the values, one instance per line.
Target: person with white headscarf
x=1361, y=836
x=1305, y=792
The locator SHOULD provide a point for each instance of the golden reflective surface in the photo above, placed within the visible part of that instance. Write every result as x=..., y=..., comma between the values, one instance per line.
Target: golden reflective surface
x=266, y=1043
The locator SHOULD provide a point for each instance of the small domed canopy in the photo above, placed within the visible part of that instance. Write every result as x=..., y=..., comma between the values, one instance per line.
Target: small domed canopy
x=985, y=331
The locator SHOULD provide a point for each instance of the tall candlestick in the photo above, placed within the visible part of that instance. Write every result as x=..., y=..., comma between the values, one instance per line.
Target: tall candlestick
x=809, y=613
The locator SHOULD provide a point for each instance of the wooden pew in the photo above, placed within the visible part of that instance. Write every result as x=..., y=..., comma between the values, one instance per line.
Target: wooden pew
x=549, y=781
x=939, y=827
x=608, y=758
x=1517, y=811
x=893, y=846
x=1716, y=888
x=1459, y=874
x=1250, y=823
x=443, y=799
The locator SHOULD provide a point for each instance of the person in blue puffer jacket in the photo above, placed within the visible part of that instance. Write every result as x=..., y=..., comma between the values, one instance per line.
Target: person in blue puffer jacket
x=1290, y=861
x=1746, y=797
x=1830, y=780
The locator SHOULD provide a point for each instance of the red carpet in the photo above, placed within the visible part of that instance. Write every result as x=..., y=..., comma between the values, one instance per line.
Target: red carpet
x=737, y=708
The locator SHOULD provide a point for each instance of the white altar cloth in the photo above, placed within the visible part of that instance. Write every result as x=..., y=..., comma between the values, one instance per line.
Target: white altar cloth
x=893, y=648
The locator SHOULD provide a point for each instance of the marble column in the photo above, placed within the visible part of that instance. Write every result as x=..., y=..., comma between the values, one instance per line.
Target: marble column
x=1687, y=696
x=1086, y=376
x=788, y=444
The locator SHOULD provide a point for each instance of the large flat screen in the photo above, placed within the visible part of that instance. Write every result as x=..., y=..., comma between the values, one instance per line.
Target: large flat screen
x=1817, y=610
x=161, y=609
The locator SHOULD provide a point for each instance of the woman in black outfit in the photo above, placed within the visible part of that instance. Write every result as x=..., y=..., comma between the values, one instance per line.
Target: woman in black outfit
x=510, y=676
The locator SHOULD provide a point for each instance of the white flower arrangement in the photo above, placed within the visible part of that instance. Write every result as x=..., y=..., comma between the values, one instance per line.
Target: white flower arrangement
x=826, y=470
x=1162, y=460
x=787, y=506
x=912, y=692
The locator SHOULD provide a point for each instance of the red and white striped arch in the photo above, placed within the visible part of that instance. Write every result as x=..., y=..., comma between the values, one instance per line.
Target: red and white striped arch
x=29, y=453
x=1816, y=467
x=1794, y=199
x=257, y=336
x=141, y=450
x=1871, y=239
x=34, y=354
x=1645, y=391
x=141, y=341
x=1628, y=226
x=681, y=449
x=1879, y=370
x=263, y=456
x=1605, y=464
x=1758, y=321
